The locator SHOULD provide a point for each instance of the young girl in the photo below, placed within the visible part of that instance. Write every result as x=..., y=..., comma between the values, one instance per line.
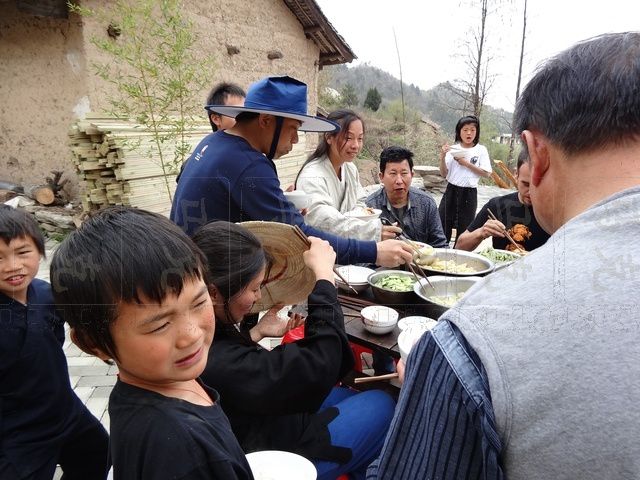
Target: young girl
x=462, y=164
x=333, y=183
x=285, y=398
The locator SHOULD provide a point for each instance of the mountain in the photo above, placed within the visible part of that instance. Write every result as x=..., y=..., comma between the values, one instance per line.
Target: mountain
x=440, y=104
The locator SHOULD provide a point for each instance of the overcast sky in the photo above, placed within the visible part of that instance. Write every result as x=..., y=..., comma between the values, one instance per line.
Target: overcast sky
x=431, y=34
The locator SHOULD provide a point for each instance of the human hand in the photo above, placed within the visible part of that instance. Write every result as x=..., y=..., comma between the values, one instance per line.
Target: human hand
x=445, y=148
x=492, y=228
x=400, y=369
x=304, y=211
x=392, y=253
x=390, y=231
x=272, y=325
x=320, y=258
x=290, y=188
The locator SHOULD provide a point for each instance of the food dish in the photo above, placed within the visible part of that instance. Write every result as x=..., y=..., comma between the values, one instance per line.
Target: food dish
x=364, y=213
x=443, y=287
x=278, y=465
x=388, y=296
x=355, y=275
x=498, y=256
x=299, y=198
x=459, y=263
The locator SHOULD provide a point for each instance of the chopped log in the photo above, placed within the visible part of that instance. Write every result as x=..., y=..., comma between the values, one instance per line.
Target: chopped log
x=42, y=194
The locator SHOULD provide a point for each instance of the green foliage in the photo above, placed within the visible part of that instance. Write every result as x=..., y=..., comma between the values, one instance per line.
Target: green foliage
x=156, y=73
x=373, y=100
x=348, y=96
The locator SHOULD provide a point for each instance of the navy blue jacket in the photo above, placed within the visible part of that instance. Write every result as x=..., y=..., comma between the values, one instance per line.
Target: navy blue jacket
x=38, y=407
x=227, y=179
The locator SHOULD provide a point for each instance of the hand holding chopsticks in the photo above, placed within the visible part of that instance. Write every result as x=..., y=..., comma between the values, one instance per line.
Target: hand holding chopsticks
x=506, y=233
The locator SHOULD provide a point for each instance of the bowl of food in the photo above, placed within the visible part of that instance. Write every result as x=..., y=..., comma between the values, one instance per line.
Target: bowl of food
x=392, y=286
x=459, y=263
x=299, y=198
x=501, y=258
x=379, y=319
x=410, y=336
x=356, y=276
x=364, y=213
x=443, y=292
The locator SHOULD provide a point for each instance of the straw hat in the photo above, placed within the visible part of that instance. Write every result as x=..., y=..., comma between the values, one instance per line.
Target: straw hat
x=289, y=281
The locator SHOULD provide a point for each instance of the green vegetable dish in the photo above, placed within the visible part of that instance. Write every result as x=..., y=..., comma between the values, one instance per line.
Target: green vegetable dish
x=396, y=283
x=499, y=256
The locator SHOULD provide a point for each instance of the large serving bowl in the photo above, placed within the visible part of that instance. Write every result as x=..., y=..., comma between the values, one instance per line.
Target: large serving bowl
x=356, y=276
x=443, y=286
x=391, y=297
x=480, y=265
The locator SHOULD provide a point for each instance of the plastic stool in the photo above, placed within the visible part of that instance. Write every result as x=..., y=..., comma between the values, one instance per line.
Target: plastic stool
x=293, y=335
x=358, y=350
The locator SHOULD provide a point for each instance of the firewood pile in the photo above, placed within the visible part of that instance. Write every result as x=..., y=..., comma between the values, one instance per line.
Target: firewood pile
x=118, y=165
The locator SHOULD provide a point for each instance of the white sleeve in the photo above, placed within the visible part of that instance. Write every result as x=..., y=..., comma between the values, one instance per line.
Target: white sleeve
x=484, y=162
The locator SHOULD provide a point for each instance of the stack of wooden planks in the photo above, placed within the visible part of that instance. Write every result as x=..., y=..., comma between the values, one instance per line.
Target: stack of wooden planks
x=118, y=164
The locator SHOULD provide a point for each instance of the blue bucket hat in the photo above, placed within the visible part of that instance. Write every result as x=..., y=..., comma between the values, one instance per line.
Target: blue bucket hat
x=281, y=97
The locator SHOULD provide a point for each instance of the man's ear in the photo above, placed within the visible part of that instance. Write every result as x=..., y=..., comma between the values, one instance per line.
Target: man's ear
x=96, y=352
x=215, y=119
x=265, y=120
x=538, y=155
x=380, y=175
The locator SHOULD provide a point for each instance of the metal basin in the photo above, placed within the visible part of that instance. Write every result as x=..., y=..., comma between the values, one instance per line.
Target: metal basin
x=481, y=265
x=390, y=297
x=442, y=286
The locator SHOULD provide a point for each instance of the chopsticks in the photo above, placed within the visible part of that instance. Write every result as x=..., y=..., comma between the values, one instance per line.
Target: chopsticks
x=304, y=238
x=411, y=267
x=504, y=230
x=387, y=376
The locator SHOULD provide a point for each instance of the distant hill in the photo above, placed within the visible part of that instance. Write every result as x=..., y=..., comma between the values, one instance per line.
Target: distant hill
x=439, y=104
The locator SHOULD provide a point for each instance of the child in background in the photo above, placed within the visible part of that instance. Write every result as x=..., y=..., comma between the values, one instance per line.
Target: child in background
x=42, y=421
x=462, y=164
x=131, y=285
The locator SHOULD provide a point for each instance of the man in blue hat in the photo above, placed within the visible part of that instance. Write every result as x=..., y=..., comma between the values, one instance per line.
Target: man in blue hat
x=231, y=174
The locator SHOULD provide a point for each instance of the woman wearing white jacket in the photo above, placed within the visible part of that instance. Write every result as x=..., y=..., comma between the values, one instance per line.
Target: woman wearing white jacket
x=332, y=182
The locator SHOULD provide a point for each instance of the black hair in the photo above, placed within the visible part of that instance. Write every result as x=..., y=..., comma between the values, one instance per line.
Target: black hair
x=344, y=118
x=219, y=95
x=244, y=117
x=587, y=96
x=15, y=223
x=119, y=254
x=466, y=121
x=395, y=154
x=523, y=157
x=234, y=258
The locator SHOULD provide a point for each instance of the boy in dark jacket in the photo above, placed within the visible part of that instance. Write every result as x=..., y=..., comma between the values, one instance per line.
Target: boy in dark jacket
x=131, y=285
x=42, y=421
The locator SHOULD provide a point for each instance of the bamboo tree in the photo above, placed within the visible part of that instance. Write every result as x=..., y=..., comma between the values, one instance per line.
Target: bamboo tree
x=155, y=73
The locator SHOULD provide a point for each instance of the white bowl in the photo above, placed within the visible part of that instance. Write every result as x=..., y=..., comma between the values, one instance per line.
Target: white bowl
x=416, y=321
x=379, y=319
x=355, y=275
x=272, y=464
x=362, y=213
x=410, y=336
x=299, y=198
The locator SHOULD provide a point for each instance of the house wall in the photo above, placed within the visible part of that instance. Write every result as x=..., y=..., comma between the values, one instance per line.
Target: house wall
x=47, y=81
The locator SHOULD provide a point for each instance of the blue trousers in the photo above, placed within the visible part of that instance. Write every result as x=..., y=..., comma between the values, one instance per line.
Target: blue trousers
x=361, y=426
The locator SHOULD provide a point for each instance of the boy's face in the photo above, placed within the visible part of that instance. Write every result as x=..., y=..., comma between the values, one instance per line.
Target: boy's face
x=19, y=262
x=162, y=344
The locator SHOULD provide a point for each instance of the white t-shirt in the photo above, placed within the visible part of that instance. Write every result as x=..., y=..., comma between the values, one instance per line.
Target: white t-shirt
x=462, y=176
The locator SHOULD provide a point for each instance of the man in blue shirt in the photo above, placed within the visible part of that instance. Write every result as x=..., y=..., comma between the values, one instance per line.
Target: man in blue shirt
x=231, y=175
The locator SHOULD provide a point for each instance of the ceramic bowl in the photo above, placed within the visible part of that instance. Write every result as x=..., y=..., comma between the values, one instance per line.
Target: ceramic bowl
x=299, y=198
x=355, y=275
x=364, y=213
x=379, y=319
